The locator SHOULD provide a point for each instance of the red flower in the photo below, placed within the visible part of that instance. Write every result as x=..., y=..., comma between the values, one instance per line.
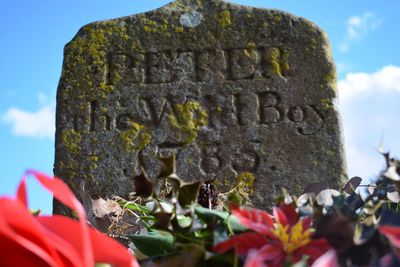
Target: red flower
x=276, y=240
x=392, y=233
x=329, y=259
x=54, y=241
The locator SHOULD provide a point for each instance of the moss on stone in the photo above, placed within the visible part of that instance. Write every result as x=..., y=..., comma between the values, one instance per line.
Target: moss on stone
x=225, y=19
x=72, y=140
x=190, y=117
x=136, y=138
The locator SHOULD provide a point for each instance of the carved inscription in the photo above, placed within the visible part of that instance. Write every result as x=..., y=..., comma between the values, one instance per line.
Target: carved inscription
x=128, y=68
x=265, y=108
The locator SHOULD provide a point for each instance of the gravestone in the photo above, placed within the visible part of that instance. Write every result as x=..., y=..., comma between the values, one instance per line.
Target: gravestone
x=232, y=90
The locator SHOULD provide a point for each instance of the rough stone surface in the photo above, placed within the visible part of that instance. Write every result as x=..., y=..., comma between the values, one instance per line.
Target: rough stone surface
x=231, y=89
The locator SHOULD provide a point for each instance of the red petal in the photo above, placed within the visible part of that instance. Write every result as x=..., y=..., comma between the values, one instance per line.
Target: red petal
x=329, y=259
x=290, y=213
x=306, y=222
x=392, y=233
x=254, y=260
x=314, y=250
x=279, y=216
x=254, y=219
x=242, y=243
x=21, y=193
x=105, y=249
x=62, y=192
x=268, y=255
x=21, y=232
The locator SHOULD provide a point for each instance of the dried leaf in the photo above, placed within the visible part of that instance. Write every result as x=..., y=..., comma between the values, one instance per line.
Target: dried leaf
x=102, y=208
x=352, y=184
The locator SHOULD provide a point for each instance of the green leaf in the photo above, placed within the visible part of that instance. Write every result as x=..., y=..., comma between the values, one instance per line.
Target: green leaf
x=184, y=221
x=190, y=256
x=210, y=216
x=134, y=206
x=156, y=243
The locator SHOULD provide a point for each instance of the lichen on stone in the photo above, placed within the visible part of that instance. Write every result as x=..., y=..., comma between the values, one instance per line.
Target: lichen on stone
x=326, y=104
x=86, y=54
x=72, y=140
x=190, y=117
x=136, y=138
x=279, y=60
x=246, y=180
x=250, y=50
x=179, y=29
x=225, y=19
x=277, y=18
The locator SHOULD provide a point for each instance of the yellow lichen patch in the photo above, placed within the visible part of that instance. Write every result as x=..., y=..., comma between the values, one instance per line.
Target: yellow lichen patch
x=85, y=56
x=109, y=88
x=190, y=117
x=277, y=18
x=93, y=162
x=225, y=19
x=72, y=140
x=136, y=138
x=279, y=61
x=326, y=104
x=313, y=43
x=250, y=50
x=179, y=29
x=246, y=180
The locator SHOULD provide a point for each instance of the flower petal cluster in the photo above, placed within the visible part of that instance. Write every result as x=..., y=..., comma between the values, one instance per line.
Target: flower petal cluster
x=275, y=240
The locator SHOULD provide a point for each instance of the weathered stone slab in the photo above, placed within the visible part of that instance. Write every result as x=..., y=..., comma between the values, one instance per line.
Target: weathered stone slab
x=231, y=89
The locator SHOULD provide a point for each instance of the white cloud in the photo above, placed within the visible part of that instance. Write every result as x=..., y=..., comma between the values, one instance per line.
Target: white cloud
x=358, y=27
x=368, y=104
x=37, y=124
x=386, y=79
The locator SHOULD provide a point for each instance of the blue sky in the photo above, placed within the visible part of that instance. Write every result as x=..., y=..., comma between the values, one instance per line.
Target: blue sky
x=364, y=36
